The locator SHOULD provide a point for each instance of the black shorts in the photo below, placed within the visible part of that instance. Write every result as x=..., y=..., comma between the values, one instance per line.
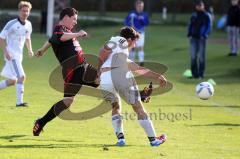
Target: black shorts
x=85, y=74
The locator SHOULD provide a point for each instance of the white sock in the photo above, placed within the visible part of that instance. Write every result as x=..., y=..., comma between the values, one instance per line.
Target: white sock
x=117, y=124
x=19, y=91
x=132, y=55
x=140, y=56
x=147, y=125
x=3, y=84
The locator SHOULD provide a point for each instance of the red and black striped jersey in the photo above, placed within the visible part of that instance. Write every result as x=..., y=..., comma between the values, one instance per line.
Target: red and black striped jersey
x=69, y=50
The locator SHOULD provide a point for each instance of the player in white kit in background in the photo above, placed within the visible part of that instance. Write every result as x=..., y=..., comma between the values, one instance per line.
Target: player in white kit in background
x=14, y=35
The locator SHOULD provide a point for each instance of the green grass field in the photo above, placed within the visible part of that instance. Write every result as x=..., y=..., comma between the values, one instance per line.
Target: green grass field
x=212, y=131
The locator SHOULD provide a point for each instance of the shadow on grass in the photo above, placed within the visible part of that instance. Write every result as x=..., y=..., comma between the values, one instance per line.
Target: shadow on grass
x=8, y=106
x=12, y=137
x=20, y=137
x=59, y=146
x=53, y=140
x=200, y=106
x=216, y=124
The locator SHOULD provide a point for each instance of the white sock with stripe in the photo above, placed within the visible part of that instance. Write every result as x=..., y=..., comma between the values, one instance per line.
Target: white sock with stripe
x=19, y=91
x=147, y=125
x=3, y=84
x=117, y=124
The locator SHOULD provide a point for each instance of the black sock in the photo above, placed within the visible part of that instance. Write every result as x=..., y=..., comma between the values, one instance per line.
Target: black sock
x=151, y=139
x=55, y=110
x=120, y=136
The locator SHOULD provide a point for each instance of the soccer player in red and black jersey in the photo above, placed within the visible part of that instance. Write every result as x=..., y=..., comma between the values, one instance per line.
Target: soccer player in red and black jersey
x=71, y=57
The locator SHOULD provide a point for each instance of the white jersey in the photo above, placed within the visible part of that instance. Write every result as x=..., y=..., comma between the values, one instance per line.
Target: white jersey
x=119, y=80
x=119, y=45
x=118, y=58
x=15, y=33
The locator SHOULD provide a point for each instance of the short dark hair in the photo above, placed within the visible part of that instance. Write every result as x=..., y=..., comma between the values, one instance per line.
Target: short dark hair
x=198, y=2
x=138, y=2
x=129, y=32
x=67, y=11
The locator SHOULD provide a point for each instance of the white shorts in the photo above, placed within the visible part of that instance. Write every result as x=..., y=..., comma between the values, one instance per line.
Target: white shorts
x=140, y=41
x=13, y=69
x=125, y=87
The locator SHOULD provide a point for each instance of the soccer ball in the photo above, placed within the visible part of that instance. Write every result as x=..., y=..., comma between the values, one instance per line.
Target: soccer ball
x=204, y=90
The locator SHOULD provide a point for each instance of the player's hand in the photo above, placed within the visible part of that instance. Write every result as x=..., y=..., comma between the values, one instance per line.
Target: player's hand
x=7, y=55
x=82, y=33
x=98, y=80
x=30, y=54
x=99, y=72
x=146, y=95
x=39, y=53
x=162, y=80
x=140, y=17
x=132, y=15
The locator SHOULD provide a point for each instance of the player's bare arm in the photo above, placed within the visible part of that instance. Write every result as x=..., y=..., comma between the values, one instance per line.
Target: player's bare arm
x=28, y=44
x=146, y=72
x=68, y=36
x=3, y=47
x=105, y=51
x=43, y=49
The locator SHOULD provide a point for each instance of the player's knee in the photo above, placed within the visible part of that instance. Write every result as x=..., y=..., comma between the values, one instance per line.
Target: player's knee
x=142, y=114
x=115, y=106
x=11, y=82
x=21, y=79
x=139, y=110
x=68, y=101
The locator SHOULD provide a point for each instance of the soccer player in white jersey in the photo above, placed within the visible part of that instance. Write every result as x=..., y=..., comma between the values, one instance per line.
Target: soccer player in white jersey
x=14, y=35
x=116, y=79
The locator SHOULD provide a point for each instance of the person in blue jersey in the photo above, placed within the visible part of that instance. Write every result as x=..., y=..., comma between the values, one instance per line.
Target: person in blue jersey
x=138, y=19
x=198, y=31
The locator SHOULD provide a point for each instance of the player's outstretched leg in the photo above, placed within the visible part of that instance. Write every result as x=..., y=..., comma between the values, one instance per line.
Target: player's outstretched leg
x=118, y=124
x=55, y=110
x=147, y=125
x=6, y=83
